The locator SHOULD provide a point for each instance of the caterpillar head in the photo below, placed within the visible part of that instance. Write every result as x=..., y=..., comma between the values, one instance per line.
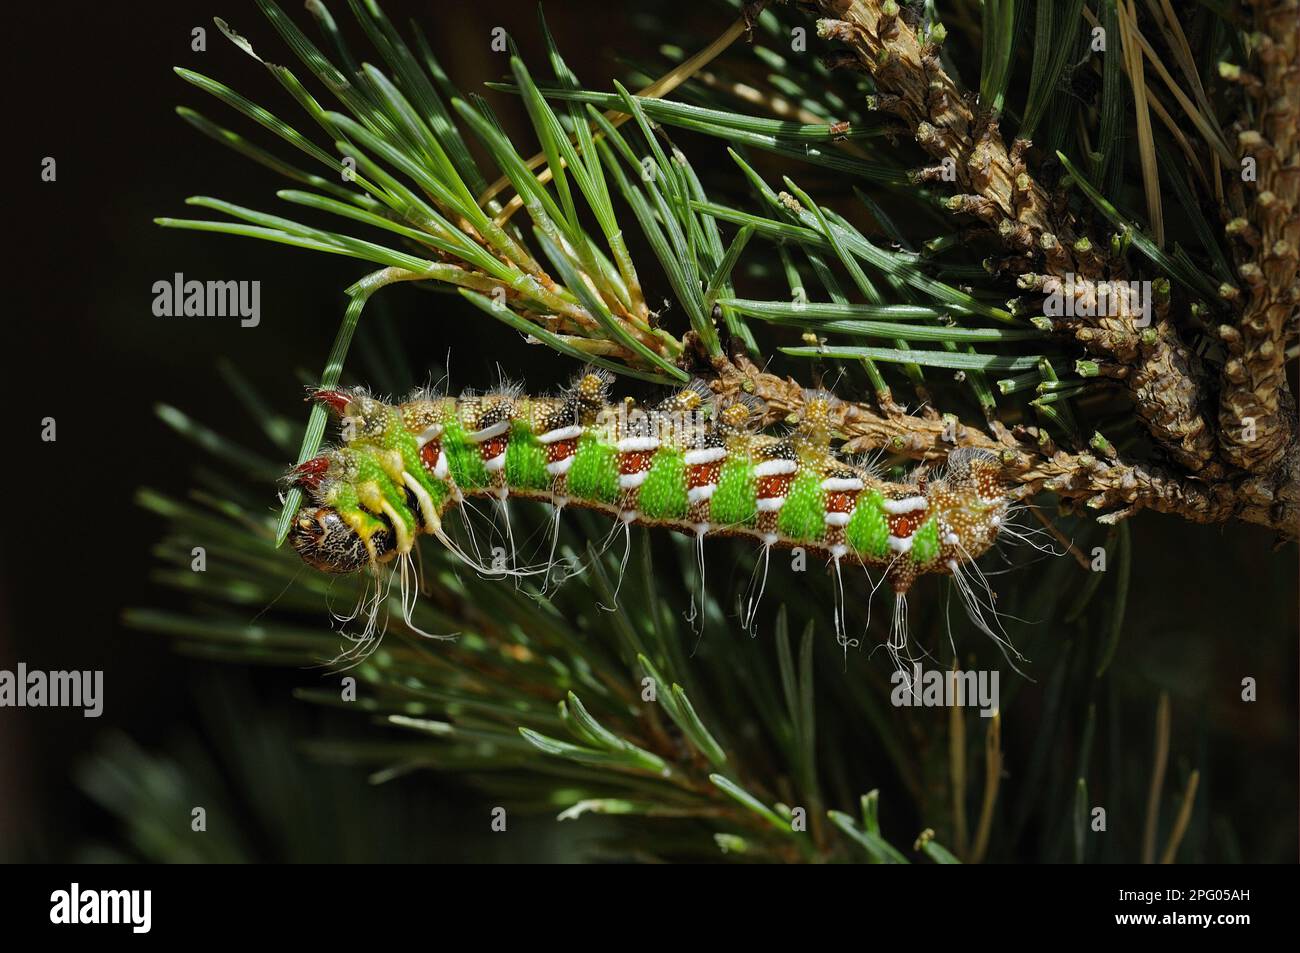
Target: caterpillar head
x=327, y=541
x=333, y=533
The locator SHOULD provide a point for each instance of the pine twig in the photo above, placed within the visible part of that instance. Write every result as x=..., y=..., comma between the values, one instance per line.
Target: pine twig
x=1104, y=483
x=1257, y=418
x=1166, y=377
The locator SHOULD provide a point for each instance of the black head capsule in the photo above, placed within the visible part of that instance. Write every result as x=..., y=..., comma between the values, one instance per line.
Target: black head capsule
x=326, y=542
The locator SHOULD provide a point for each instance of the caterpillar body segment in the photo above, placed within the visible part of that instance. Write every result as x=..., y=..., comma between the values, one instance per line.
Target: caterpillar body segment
x=684, y=464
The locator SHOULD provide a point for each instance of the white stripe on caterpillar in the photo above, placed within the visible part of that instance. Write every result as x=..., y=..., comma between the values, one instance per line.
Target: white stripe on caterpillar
x=487, y=433
x=841, y=484
x=430, y=433
x=561, y=433
x=900, y=544
x=699, y=457
x=697, y=494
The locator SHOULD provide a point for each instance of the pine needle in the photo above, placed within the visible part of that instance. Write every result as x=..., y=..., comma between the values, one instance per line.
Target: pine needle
x=1146, y=142
x=661, y=87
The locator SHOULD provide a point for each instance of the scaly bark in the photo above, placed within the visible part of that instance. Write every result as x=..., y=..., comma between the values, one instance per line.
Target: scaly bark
x=999, y=189
x=1256, y=410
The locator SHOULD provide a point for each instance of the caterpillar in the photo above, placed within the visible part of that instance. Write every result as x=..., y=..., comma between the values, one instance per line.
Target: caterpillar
x=689, y=463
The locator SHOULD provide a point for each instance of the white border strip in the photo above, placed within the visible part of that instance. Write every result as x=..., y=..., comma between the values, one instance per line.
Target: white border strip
x=909, y=505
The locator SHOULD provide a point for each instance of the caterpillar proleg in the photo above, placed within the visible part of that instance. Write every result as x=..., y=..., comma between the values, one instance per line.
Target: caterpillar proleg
x=688, y=464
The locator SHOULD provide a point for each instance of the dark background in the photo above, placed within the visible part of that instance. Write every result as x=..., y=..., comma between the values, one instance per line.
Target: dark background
x=91, y=85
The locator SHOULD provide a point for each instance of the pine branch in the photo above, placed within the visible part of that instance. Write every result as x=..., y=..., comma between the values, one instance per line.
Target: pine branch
x=415, y=181
x=1257, y=414
x=997, y=187
x=1101, y=480
x=409, y=131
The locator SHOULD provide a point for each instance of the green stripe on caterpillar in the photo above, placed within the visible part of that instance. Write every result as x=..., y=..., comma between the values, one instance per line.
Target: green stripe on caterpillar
x=686, y=463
